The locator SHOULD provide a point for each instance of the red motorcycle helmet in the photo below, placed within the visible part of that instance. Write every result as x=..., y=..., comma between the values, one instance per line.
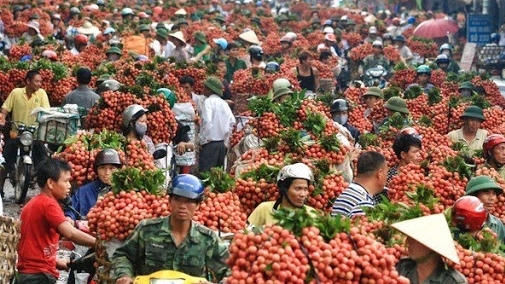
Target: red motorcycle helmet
x=468, y=214
x=490, y=142
x=81, y=39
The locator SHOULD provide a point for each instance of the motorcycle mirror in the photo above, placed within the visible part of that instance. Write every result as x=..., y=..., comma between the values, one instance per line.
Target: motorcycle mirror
x=66, y=201
x=67, y=204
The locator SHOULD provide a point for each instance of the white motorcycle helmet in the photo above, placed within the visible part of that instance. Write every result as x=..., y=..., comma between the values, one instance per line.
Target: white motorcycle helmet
x=292, y=35
x=296, y=171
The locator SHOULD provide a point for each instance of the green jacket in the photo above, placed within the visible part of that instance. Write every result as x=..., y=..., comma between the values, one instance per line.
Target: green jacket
x=372, y=61
x=453, y=67
x=199, y=48
x=496, y=225
x=230, y=69
x=151, y=248
x=442, y=274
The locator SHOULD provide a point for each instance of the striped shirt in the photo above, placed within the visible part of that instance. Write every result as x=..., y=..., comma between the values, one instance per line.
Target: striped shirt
x=351, y=201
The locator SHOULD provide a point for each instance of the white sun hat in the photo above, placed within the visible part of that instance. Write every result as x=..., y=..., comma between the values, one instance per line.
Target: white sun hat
x=250, y=36
x=181, y=12
x=88, y=29
x=34, y=25
x=433, y=232
x=178, y=35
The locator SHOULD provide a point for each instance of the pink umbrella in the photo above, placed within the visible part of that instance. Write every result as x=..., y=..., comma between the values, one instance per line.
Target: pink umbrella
x=436, y=28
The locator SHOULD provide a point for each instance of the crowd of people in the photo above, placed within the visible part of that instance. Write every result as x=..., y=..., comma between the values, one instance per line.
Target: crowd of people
x=176, y=242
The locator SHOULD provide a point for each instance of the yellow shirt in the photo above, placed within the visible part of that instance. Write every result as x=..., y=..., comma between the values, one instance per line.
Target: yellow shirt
x=21, y=106
x=475, y=144
x=262, y=215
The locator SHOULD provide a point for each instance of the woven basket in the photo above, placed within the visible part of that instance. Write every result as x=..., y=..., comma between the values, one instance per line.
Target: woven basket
x=104, y=265
x=10, y=232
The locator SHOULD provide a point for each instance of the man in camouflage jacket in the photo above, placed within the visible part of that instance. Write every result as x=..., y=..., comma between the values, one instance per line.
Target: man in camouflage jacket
x=161, y=244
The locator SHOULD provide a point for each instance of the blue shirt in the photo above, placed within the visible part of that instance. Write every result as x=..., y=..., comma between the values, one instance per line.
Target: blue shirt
x=353, y=130
x=352, y=200
x=84, y=198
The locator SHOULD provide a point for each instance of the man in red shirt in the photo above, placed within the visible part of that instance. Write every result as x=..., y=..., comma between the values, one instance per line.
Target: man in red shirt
x=42, y=223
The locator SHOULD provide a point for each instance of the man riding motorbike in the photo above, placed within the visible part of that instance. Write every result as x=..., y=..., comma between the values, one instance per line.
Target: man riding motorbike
x=375, y=59
x=174, y=242
x=20, y=103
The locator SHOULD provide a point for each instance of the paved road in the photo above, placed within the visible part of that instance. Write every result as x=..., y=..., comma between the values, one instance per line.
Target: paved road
x=10, y=207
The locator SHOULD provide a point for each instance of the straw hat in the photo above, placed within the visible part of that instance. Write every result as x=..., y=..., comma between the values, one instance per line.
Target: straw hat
x=178, y=35
x=433, y=232
x=88, y=29
x=250, y=37
x=181, y=12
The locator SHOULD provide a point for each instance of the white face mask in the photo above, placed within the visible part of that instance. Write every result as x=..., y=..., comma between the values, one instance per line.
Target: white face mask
x=340, y=118
x=447, y=52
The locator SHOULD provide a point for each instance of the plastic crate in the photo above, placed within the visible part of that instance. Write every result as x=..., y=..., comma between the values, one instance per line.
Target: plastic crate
x=56, y=126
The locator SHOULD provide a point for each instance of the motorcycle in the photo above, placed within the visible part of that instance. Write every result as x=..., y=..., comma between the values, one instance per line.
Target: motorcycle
x=168, y=277
x=82, y=259
x=375, y=77
x=23, y=173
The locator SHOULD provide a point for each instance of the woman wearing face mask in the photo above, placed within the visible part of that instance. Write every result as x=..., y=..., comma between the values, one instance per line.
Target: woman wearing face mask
x=340, y=113
x=135, y=125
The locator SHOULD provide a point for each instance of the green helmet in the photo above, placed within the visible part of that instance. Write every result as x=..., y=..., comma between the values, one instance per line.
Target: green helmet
x=473, y=112
x=466, y=85
x=397, y=104
x=281, y=83
x=169, y=96
x=373, y=92
x=480, y=183
x=424, y=69
x=114, y=50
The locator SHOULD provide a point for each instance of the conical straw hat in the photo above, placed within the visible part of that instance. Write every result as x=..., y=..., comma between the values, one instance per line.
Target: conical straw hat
x=250, y=36
x=433, y=232
x=181, y=12
x=178, y=35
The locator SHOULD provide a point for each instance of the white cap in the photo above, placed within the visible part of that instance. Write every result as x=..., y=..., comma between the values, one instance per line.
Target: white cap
x=372, y=30
x=328, y=30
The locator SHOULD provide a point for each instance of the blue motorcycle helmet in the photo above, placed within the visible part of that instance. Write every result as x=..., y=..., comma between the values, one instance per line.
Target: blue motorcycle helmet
x=187, y=186
x=223, y=43
x=26, y=58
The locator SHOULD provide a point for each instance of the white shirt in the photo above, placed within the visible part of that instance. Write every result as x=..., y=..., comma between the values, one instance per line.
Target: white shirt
x=199, y=101
x=163, y=51
x=217, y=121
x=74, y=51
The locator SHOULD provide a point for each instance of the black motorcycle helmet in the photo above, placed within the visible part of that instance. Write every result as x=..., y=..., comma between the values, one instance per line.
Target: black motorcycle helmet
x=339, y=105
x=272, y=67
x=256, y=52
